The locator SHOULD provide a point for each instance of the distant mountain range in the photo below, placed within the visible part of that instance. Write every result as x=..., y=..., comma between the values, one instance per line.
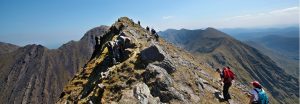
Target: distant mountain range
x=280, y=44
x=36, y=74
x=249, y=34
x=291, y=66
x=219, y=49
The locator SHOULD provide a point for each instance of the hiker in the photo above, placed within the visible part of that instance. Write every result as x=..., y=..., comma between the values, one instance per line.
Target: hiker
x=123, y=43
x=147, y=28
x=257, y=94
x=226, y=77
x=97, y=40
x=112, y=53
x=139, y=23
x=96, y=47
x=153, y=31
x=120, y=50
x=156, y=36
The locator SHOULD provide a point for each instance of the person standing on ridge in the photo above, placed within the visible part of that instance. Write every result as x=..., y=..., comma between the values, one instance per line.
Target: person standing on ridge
x=226, y=77
x=147, y=28
x=257, y=94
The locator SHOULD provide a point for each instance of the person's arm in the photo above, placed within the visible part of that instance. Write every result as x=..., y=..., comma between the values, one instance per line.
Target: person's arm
x=251, y=99
x=222, y=77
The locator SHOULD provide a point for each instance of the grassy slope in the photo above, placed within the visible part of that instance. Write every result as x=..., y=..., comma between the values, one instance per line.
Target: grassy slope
x=83, y=86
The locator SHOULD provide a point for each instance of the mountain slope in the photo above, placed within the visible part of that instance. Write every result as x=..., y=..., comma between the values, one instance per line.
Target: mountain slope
x=219, y=49
x=291, y=66
x=152, y=72
x=35, y=74
x=288, y=46
x=6, y=47
x=249, y=34
x=280, y=44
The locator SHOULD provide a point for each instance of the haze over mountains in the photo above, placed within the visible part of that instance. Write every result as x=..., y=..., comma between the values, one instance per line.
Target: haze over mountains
x=36, y=74
x=219, y=49
x=252, y=33
x=280, y=44
x=153, y=71
x=73, y=52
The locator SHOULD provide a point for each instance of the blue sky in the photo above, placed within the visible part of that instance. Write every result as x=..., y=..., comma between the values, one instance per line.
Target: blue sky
x=54, y=22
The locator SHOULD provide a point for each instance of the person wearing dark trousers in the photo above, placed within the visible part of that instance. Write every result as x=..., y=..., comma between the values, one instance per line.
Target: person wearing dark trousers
x=226, y=94
x=226, y=77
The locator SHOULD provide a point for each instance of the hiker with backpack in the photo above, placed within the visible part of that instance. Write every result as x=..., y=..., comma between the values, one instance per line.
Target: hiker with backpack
x=139, y=23
x=227, y=76
x=153, y=32
x=257, y=94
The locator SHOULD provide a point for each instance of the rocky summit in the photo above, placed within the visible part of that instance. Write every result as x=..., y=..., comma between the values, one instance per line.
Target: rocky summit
x=149, y=71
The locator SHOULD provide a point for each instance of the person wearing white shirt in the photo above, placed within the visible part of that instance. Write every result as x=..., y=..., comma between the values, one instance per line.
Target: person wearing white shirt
x=254, y=93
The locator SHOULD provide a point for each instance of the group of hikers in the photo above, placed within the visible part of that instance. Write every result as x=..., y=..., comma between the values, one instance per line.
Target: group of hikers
x=117, y=47
x=153, y=33
x=257, y=95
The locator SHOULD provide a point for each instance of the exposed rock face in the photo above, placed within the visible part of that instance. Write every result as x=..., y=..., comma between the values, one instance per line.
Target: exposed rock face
x=153, y=72
x=142, y=93
x=161, y=83
x=35, y=74
x=154, y=53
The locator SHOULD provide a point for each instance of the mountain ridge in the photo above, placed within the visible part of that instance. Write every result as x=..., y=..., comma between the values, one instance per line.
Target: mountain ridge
x=153, y=72
x=248, y=62
x=36, y=74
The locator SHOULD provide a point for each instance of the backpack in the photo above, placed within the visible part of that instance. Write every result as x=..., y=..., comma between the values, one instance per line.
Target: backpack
x=228, y=75
x=262, y=97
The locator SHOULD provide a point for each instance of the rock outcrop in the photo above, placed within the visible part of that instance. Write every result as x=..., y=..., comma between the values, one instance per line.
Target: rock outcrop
x=151, y=72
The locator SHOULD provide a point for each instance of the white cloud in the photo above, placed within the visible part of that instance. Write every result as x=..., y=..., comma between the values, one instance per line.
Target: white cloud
x=167, y=17
x=273, y=18
x=286, y=16
x=286, y=10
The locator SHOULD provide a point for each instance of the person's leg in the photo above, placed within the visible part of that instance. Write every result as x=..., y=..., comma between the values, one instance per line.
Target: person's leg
x=229, y=85
x=225, y=91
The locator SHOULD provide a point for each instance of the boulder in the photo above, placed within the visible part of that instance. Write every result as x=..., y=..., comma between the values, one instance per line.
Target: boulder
x=152, y=54
x=154, y=72
x=156, y=54
x=167, y=65
x=161, y=84
x=140, y=94
x=127, y=98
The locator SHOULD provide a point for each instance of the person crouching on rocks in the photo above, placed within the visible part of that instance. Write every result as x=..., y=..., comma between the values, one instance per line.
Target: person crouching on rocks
x=257, y=94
